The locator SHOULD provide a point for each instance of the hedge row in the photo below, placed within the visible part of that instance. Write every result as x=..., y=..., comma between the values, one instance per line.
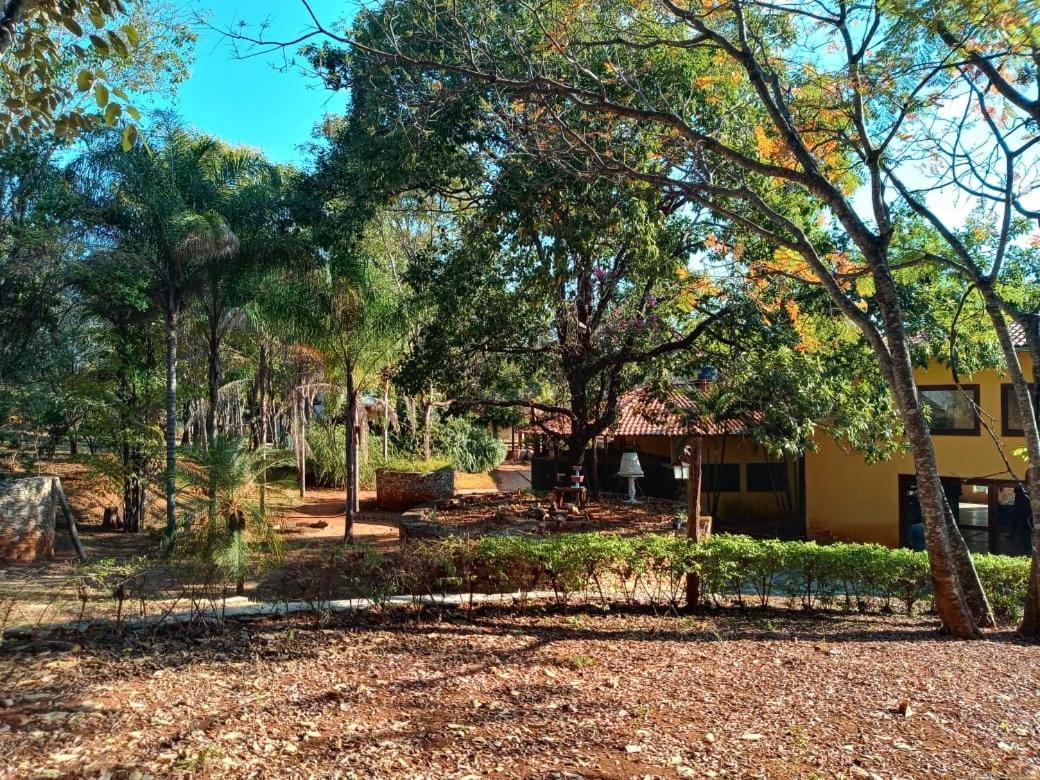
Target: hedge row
x=651, y=569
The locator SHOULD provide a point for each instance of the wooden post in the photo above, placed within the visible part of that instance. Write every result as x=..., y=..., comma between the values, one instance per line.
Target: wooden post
x=693, y=511
x=70, y=520
x=993, y=515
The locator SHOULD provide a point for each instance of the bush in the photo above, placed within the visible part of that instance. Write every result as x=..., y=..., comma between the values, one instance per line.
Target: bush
x=420, y=465
x=326, y=463
x=469, y=448
x=1005, y=580
x=650, y=569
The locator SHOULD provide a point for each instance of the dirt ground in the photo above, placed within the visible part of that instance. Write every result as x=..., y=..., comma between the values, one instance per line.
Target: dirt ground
x=481, y=514
x=45, y=591
x=318, y=516
x=509, y=694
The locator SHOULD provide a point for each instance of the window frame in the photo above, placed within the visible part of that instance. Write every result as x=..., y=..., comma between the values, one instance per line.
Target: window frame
x=975, y=391
x=1007, y=391
x=781, y=466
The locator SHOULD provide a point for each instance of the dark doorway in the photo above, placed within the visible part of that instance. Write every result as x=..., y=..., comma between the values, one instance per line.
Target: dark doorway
x=993, y=515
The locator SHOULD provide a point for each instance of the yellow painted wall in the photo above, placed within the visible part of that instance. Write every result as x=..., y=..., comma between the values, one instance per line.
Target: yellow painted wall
x=849, y=500
x=750, y=506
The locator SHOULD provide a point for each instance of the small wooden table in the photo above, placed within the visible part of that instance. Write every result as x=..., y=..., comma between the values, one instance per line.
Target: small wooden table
x=562, y=494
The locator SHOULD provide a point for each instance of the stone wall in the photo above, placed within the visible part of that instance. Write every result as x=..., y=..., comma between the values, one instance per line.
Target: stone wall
x=407, y=489
x=28, y=508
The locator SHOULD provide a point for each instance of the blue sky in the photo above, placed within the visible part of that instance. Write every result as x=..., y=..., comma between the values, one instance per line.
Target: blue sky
x=251, y=101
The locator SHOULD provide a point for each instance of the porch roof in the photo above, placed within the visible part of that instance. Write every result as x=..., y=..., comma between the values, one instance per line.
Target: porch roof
x=646, y=412
x=1018, y=334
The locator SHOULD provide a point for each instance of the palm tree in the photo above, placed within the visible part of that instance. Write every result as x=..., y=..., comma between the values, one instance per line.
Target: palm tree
x=349, y=310
x=156, y=201
x=232, y=529
x=367, y=320
x=252, y=198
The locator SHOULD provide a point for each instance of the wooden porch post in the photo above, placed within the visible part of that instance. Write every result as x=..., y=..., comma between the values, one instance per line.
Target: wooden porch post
x=993, y=515
x=693, y=511
x=693, y=489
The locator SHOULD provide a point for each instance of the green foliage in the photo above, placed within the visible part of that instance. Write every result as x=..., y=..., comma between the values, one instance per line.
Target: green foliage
x=68, y=66
x=468, y=447
x=1005, y=580
x=651, y=569
x=325, y=461
x=405, y=462
x=231, y=530
x=327, y=458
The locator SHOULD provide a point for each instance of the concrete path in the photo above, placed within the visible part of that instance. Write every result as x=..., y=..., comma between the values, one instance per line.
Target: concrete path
x=242, y=608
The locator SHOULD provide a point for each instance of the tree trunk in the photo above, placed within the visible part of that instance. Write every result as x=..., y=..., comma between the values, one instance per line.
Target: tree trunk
x=171, y=420
x=350, y=464
x=1031, y=617
x=594, y=471
x=133, y=504
x=301, y=432
x=576, y=444
x=213, y=344
x=693, y=512
x=959, y=598
x=73, y=444
x=1029, y=403
x=386, y=418
x=427, y=432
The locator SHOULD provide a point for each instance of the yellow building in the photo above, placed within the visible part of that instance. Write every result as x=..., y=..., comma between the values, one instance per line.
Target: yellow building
x=850, y=500
x=831, y=493
x=744, y=489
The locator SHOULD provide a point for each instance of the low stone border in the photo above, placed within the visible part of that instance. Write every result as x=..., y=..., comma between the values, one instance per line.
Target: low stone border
x=242, y=608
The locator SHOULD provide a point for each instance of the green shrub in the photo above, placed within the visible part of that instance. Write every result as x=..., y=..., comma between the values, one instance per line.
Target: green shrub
x=469, y=448
x=651, y=569
x=414, y=463
x=326, y=463
x=1005, y=580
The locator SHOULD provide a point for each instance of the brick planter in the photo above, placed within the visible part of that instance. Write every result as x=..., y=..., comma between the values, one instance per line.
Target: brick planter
x=407, y=489
x=27, y=513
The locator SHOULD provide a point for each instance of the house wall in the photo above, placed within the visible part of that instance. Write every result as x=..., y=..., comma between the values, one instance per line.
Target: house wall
x=743, y=506
x=848, y=499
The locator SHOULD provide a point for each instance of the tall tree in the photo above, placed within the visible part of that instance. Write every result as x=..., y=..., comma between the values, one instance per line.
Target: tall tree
x=349, y=309
x=126, y=383
x=146, y=200
x=985, y=152
x=252, y=197
x=584, y=285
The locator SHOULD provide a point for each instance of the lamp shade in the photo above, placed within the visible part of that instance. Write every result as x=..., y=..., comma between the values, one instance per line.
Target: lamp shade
x=681, y=470
x=630, y=466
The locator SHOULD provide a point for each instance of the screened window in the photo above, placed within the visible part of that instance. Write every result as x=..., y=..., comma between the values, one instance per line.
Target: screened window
x=720, y=478
x=766, y=477
x=1010, y=413
x=951, y=409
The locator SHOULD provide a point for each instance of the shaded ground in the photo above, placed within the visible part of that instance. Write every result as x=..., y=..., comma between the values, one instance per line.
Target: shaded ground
x=610, y=514
x=513, y=476
x=320, y=516
x=44, y=592
x=501, y=694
